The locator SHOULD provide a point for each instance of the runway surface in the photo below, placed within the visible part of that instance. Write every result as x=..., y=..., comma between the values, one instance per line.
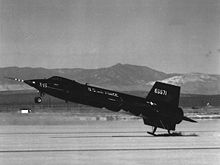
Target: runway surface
x=109, y=142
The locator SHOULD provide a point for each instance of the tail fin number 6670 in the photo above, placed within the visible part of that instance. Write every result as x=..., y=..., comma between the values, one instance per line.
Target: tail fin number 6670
x=160, y=91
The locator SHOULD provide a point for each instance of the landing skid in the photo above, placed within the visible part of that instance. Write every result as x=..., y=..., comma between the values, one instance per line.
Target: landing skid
x=166, y=134
x=151, y=133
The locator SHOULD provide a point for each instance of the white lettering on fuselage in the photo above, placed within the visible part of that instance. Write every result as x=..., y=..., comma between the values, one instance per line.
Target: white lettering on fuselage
x=111, y=93
x=99, y=91
x=160, y=91
x=43, y=85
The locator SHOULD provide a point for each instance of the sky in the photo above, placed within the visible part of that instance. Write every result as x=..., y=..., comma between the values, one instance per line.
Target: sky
x=173, y=36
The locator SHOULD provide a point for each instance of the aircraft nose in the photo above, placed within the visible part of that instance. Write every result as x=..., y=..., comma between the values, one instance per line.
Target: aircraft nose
x=30, y=82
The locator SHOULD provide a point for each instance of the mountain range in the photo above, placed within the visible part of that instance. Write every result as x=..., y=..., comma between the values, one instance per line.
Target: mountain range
x=121, y=77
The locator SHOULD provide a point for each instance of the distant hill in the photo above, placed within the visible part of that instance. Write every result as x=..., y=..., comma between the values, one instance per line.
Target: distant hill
x=195, y=83
x=122, y=77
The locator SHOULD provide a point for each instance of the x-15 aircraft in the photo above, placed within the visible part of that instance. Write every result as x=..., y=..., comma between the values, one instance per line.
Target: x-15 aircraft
x=159, y=109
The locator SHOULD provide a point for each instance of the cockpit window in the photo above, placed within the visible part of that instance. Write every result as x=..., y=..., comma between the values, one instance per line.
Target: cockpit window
x=57, y=78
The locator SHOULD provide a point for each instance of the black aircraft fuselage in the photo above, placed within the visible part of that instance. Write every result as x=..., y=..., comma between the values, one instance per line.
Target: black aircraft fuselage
x=159, y=109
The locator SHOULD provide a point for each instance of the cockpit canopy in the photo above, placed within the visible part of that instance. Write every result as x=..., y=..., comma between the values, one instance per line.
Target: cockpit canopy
x=61, y=79
x=56, y=78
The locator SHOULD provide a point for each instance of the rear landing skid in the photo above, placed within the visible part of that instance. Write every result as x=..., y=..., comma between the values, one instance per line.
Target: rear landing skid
x=168, y=134
x=153, y=132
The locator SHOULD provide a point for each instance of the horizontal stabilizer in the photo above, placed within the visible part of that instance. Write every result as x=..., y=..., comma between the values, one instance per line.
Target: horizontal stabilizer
x=188, y=119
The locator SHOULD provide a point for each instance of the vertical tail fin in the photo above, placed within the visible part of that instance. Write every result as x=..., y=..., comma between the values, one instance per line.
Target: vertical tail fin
x=164, y=95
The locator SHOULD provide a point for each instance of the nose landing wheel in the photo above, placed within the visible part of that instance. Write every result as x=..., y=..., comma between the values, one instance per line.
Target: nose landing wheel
x=37, y=100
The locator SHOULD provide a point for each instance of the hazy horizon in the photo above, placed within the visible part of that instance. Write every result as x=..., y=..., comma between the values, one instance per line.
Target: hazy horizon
x=172, y=36
x=108, y=67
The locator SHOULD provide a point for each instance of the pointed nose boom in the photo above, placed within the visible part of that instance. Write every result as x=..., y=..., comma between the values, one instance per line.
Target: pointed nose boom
x=16, y=79
x=28, y=82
